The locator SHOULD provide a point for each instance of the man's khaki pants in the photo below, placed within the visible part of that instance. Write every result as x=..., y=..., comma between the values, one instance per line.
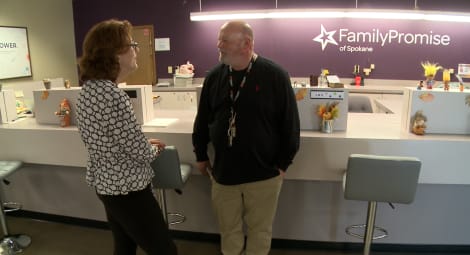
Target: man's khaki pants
x=254, y=204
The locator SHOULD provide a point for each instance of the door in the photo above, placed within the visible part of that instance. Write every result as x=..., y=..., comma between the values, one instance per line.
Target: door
x=146, y=73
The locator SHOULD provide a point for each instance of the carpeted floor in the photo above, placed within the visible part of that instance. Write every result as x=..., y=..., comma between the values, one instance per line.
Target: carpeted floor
x=51, y=238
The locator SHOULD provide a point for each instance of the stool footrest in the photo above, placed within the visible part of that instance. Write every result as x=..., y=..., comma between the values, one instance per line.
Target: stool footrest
x=349, y=231
x=177, y=218
x=11, y=206
x=13, y=244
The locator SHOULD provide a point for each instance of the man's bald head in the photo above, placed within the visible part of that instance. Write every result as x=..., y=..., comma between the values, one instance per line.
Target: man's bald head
x=236, y=45
x=239, y=26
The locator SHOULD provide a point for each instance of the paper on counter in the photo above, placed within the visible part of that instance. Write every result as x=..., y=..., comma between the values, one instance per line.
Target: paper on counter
x=161, y=122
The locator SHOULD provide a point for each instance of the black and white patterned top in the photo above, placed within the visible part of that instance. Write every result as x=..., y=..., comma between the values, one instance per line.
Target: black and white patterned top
x=119, y=154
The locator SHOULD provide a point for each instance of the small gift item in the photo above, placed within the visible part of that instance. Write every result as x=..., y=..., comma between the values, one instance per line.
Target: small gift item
x=64, y=113
x=446, y=79
x=47, y=83
x=184, y=75
x=420, y=85
x=187, y=68
x=419, y=123
x=430, y=70
x=67, y=84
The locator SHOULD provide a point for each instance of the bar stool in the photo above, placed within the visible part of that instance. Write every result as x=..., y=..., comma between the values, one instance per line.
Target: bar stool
x=379, y=179
x=10, y=244
x=169, y=174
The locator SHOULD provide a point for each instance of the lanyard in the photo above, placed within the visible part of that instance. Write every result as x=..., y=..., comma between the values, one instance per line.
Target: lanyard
x=231, y=132
x=242, y=83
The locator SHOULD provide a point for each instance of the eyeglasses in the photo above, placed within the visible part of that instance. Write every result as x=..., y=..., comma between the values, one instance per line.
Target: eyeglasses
x=134, y=45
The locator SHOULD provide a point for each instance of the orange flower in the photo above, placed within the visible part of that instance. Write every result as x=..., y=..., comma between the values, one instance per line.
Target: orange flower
x=328, y=111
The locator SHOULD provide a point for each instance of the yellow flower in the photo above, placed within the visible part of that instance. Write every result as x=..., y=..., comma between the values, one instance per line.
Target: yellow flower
x=328, y=111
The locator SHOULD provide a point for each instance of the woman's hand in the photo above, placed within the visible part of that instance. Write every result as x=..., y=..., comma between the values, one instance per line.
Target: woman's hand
x=157, y=143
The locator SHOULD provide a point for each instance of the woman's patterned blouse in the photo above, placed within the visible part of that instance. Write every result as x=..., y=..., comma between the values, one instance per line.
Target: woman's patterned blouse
x=119, y=154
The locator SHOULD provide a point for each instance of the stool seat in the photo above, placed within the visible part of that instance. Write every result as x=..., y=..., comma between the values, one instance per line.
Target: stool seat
x=10, y=244
x=169, y=174
x=381, y=178
x=375, y=179
x=8, y=167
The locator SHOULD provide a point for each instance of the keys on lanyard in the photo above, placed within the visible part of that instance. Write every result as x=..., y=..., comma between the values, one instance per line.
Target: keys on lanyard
x=232, y=129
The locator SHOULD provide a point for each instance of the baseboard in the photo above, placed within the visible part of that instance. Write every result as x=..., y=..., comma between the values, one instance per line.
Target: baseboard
x=276, y=243
x=60, y=219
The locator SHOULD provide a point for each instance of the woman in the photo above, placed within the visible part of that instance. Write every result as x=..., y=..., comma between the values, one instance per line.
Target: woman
x=119, y=154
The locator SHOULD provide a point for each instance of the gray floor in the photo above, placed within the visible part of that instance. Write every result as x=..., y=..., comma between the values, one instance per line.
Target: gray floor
x=50, y=238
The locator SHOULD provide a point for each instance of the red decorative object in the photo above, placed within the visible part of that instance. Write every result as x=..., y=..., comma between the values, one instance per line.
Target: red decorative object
x=64, y=113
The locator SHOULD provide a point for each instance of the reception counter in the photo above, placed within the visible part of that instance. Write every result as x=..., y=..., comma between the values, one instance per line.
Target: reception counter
x=321, y=156
x=311, y=205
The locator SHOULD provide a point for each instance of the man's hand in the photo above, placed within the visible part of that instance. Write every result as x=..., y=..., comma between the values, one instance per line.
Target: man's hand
x=204, y=167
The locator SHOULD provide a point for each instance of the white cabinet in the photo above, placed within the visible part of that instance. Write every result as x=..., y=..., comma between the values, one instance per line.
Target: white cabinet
x=179, y=100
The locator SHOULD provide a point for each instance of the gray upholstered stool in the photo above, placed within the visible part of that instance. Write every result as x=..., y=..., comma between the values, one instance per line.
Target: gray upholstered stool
x=10, y=244
x=379, y=179
x=169, y=174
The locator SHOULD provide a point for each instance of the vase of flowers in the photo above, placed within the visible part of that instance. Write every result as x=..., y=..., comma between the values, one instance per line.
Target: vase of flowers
x=328, y=113
x=430, y=70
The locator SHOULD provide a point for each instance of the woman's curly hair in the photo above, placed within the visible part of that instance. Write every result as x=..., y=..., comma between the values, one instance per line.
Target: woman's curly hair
x=102, y=44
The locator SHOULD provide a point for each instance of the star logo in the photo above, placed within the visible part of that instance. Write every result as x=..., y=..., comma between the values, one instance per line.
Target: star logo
x=325, y=37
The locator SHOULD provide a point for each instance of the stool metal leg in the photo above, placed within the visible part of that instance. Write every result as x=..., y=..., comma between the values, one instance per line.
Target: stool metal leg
x=11, y=244
x=161, y=197
x=177, y=217
x=369, y=234
x=3, y=221
x=370, y=227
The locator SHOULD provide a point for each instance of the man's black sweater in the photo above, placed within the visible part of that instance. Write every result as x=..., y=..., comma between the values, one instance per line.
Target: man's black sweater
x=267, y=123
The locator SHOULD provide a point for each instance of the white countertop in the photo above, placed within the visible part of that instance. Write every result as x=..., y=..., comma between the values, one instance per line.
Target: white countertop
x=174, y=88
x=376, y=89
x=360, y=126
x=370, y=89
x=322, y=157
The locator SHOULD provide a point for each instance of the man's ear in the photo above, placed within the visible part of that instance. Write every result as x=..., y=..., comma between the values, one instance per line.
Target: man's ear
x=247, y=44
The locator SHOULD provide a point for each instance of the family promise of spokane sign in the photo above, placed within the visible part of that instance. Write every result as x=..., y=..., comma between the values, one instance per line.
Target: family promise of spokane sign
x=376, y=36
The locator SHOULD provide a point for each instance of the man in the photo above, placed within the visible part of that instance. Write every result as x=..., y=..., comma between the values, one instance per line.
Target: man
x=248, y=112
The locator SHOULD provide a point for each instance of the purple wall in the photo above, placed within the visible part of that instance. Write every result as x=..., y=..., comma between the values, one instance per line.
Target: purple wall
x=289, y=42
